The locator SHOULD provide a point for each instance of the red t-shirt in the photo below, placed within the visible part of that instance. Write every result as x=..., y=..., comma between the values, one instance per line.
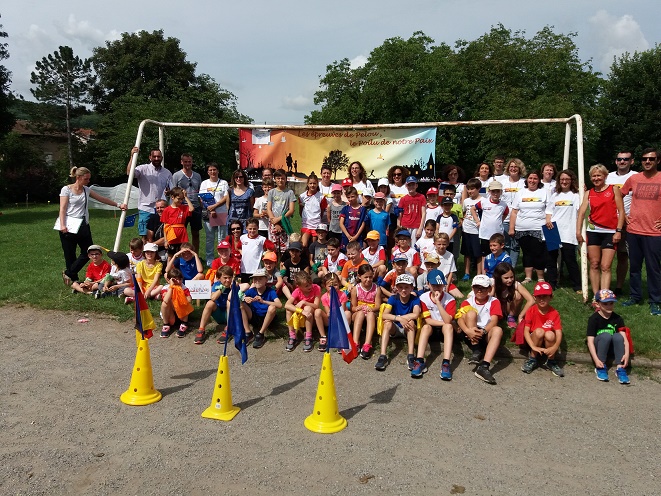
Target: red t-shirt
x=645, y=204
x=549, y=322
x=176, y=215
x=232, y=262
x=603, y=211
x=96, y=272
x=412, y=206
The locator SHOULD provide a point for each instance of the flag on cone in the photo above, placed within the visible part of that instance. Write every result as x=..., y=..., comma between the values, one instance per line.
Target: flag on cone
x=339, y=332
x=235, y=325
x=144, y=322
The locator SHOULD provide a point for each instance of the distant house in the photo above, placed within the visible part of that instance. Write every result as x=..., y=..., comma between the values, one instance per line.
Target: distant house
x=52, y=143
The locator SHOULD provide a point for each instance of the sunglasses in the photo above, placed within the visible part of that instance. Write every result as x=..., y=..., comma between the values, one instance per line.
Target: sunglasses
x=648, y=159
x=397, y=174
x=236, y=229
x=622, y=159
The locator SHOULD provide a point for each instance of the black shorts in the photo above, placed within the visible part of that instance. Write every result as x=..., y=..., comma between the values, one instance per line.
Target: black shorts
x=195, y=219
x=622, y=243
x=172, y=249
x=257, y=321
x=484, y=247
x=334, y=235
x=601, y=239
x=470, y=245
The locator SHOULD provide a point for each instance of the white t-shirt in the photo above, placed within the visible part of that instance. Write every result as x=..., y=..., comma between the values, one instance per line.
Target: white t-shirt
x=484, y=191
x=564, y=208
x=364, y=188
x=252, y=250
x=617, y=180
x=218, y=189
x=550, y=187
x=397, y=193
x=121, y=276
x=501, y=178
x=377, y=257
x=335, y=266
x=447, y=265
x=531, y=206
x=492, y=217
x=447, y=224
x=433, y=212
x=485, y=311
x=469, y=226
x=326, y=191
x=510, y=189
x=260, y=206
x=78, y=205
x=434, y=313
x=313, y=207
x=424, y=245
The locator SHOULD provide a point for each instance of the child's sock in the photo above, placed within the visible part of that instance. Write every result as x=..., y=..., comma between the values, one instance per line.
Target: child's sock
x=485, y=364
x=292, y=334
x=308, y=334
x=445, y=360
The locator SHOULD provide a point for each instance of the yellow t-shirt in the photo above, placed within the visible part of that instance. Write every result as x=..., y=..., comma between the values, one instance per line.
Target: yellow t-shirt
x=146, y=274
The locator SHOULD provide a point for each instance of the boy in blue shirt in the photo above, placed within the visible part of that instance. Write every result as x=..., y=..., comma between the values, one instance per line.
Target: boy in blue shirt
x=379, y=218
x=259, y=307
x=188, y=262
x=216, y=307
x=497, y=255
x=400, y=315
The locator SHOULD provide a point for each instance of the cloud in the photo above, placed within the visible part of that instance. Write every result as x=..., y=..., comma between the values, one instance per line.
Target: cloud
x=357, y=61
x=299, y=102
x=616, y=35
x=83, y=32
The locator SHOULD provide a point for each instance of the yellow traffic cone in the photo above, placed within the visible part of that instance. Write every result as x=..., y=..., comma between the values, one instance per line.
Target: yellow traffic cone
x=141, y=391
x=325, y=418
x=221, y=407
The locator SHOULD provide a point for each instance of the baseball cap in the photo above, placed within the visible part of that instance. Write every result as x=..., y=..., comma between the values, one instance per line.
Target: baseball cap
x=481, y=280
x=446, y=200
x=295, y=245
x=383, y=182
x=404, y=279
x=605, y=295
x=495, y=185
x=403, y=232
x=399, y=258
x=347, y=182
x=270, y=255
x=321, y=227
x=336, y=187
x=432, y=191
x=542, y=288
x=436, y=277
x=98, y=248
x=373, y=235
x=411, y=179
x=150, y=247
x=259, y=273
x=432, y=257
x=121, y=259
x=223, y=245
x=379, y=196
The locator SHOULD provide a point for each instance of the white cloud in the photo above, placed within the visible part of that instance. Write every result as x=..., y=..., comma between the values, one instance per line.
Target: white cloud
x=299, y=102
x=357, y=61
x=614, y=36
x=83, y=32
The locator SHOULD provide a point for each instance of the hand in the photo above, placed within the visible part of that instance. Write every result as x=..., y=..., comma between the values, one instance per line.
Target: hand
x=511, y=232
x=599, y=364
x=625, y=360
x=549, y=224
x=123, y=206
x=617, y=236
x=64, y=230
x=579, y=238
x=135, y=149
x=435, y=297
x=538, y=350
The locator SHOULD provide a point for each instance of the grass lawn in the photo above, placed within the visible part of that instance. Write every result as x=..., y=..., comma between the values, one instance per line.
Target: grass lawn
x=33, y=261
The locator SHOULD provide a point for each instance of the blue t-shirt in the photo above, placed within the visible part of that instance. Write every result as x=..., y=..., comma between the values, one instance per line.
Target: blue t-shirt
x=490, y=262
x=188, y=268
x=399, y=308
x=380, y=222
x=222, y=301
x=258, y=308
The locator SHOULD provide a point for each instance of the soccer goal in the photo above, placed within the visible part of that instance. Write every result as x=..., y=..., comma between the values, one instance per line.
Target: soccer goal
x=567, y=121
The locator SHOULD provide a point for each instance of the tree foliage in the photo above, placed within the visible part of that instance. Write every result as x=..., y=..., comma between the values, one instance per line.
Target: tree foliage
x=337, y=161
x=63, y=80
x=6, y=118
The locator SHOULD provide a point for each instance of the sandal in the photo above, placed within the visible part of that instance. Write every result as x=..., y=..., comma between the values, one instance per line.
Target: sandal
x=322, y=344
x=527, y=280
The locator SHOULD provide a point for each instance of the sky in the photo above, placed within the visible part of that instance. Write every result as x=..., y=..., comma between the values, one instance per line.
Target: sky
x=271, y=55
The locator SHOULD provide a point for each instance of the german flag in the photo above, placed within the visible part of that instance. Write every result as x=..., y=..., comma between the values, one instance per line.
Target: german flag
x=144, y=322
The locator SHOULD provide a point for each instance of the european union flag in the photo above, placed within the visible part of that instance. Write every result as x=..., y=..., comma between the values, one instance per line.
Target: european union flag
x=129, y=220
x=235, y=324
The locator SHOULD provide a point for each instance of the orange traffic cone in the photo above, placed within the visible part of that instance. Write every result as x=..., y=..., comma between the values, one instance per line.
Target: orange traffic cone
x=326, y=418
x=221, y=407
x=141, y=391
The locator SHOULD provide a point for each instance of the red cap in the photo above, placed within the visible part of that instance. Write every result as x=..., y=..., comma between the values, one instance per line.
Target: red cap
x=223, y=244
x=432, y=191
x=542, y=288
x=347, y=182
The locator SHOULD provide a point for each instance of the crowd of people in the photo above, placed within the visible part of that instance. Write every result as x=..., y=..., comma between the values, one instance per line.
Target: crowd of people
x=389, y=254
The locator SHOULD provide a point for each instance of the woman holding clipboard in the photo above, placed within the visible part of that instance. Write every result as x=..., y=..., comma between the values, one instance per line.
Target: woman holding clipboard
x=73, y=221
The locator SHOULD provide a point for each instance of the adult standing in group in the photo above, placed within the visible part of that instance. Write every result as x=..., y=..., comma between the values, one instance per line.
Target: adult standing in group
x=528, y=216
x=644, y=230
x=74, y=209
x=499, y=171
x=483, y=173
x=363, y=186
x=267, y=173
x=396, y=177
x=549, y=172
x=153, y=180
x=189, y=180
x=453, y=175
x=623, y=164
x=242, y=198
x=325, y=184
x=214, y=216
x=512, y=183
x=604, y=226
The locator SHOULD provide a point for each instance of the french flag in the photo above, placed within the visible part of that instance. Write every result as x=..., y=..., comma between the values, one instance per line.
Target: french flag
x=339, y=332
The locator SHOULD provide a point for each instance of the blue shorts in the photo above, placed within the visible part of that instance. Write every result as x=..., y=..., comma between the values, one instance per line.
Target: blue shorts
x=143, y=218
x=220, y=315
x=470, y=245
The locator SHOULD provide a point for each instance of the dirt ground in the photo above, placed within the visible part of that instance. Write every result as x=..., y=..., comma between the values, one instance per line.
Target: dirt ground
x=64, y=431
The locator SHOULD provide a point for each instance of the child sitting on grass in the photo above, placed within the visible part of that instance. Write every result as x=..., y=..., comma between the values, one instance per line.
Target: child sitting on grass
x=331, y=282
x=335, y=259
x=304, y=300
x=119, y=278
x=216, y=307
x=148, y=275
x=403, y=240
x=176, y=304
x=136, y=252
x=95, y=273
x=542, y=331
x=258, y=308
x=188, y=262
x=607, y=333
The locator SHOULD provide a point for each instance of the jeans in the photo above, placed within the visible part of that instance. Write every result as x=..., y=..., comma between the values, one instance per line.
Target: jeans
x=511, y=244
x=646, y=248
x=212, y=240
x=71, y=241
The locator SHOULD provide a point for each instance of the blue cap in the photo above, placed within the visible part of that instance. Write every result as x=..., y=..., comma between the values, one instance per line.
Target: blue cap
x=400, y=258
x=605, y=296
x=403, y=232
x=436, y=277
x=411, y=179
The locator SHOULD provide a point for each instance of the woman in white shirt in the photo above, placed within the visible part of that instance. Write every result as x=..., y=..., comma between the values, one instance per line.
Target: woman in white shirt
x=549, y=171
x=363, y=186
x=215, y=220
x=512, y=183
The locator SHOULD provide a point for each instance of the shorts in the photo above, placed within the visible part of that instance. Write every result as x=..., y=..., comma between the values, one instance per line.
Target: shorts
x=245, y=278
x=334, y=235
x=601, y=239
x=195, y=219
x=257, y=321
x=172, y=249
x=622, y=243
x=143, y=218
x=470, y=245
x=263, y=232
x=311, y=232
x=220, y=315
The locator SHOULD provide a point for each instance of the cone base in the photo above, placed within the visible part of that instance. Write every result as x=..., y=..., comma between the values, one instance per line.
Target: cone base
x=132, y=398
x=320, y=427
x=215, y=414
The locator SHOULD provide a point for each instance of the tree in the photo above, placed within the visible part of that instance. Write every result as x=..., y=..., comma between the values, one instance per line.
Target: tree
x=6, y=118
x=629, y=107
x=64, y=80
x=337, y=161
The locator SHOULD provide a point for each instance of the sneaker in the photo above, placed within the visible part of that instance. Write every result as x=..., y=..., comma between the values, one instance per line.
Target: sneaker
x=602, y=374
x=475, y=358
x=73, y=291
x=511, y=321
x=529, y=365
x=199, y=337
x=484, y=374
x=466, y=278
x=165, y=332
x=249, y=338
x=622, y=376
x=555, y=369
x=129, y=300
x=322, y=344
x=97, y=295
x=307, y=345
x=222, y=338
x=630, y=302
x=381, y=363
x=419, y=368
x=291, y=344
x=655, y=309
x=259, y=340
x=446, y=373
x=182, y=330
x=410, y=361
x=366, y=351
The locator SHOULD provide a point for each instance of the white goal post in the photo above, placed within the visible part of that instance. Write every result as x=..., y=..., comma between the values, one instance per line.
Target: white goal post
x=567, y=121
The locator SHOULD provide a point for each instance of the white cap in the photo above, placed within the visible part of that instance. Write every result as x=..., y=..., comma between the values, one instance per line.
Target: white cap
x=383, y=182
x=482, y=280
x=259, y=273
x=405, y=279
x=322, y=227
x=150, y=247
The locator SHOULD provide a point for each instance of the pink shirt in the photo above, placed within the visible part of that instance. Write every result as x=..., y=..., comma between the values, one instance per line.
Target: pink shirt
x=298, y=295
x=341, y=295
